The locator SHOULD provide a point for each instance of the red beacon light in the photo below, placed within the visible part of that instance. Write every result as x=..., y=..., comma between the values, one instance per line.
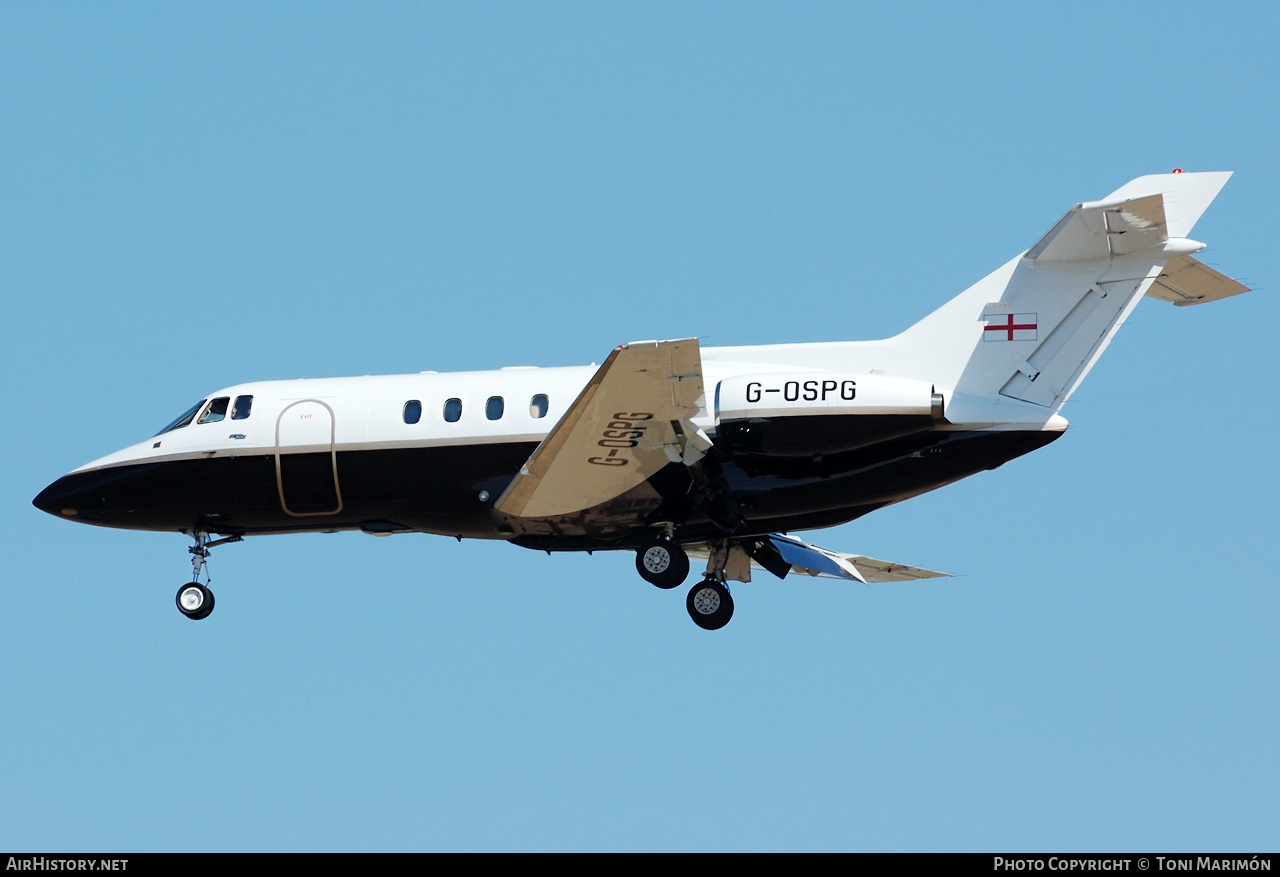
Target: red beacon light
x=1177, y=170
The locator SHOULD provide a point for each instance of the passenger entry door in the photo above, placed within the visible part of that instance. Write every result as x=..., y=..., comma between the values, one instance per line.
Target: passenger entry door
x=306, y=461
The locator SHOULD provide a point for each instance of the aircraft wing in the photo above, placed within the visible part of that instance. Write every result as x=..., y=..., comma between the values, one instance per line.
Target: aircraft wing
x=632, y=419
x=781, y=555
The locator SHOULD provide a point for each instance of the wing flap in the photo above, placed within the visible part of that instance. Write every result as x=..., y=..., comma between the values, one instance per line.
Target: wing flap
x=633, y=418
x=815, y=561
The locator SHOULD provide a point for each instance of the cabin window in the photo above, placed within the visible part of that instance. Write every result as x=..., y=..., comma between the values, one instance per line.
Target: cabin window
x=216, y=411
x=493, y=408
x=240, y=410
x=538, y=406
x=412, y=411
x=453, y=410
x=186, y=418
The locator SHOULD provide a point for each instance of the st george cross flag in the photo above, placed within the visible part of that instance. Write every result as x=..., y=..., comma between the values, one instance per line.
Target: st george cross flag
x=1009, y=327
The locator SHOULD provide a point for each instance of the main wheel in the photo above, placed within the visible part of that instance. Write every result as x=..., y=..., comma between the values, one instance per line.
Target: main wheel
x=662, y=563
x=709, y=605
x=195, y=601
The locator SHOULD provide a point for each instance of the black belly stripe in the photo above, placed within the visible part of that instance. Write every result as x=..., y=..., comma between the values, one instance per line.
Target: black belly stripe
x=437, y=489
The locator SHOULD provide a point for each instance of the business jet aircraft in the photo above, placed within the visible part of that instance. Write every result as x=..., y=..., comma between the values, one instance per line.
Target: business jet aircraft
x=670, y=449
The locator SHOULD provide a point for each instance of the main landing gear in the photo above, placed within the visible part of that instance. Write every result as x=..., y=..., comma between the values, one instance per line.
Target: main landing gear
x=709, y=604
x=194, y=599
x=662, y=562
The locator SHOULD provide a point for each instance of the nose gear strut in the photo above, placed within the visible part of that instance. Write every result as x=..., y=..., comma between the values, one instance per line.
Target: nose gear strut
x=195, y=600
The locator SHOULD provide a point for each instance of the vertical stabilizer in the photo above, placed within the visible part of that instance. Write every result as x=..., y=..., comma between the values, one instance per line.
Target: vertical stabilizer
x=1033, y=328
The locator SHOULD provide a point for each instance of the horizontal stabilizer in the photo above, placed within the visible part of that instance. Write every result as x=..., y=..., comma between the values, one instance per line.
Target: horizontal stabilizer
x=1186, y=196
x=1150, y=211
x=1098, y=230
x=1186, y=281
x=805, y=559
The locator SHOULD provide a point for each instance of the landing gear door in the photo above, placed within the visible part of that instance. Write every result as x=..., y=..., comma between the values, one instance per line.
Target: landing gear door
x=306, y=461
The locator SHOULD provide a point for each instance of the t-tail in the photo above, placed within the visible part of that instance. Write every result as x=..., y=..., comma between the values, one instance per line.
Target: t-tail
x=1032, y=329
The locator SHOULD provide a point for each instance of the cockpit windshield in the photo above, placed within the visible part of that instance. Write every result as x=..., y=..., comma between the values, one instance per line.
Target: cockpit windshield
x=216, y=411
x=185, y=419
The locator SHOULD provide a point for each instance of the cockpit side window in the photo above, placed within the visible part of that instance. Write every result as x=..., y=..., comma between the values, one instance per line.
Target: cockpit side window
x=240, y=410
x=216, y=411
x=186, y=418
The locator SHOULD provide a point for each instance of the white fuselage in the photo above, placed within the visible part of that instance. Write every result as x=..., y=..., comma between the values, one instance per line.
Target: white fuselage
x=368, y=413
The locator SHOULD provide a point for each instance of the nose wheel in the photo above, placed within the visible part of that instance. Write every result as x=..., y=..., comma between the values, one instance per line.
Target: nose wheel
x=195, y=601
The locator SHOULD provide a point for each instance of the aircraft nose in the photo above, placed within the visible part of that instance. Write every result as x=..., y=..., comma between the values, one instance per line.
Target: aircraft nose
x=92, y=497
x=114, y=496
x=58, y=499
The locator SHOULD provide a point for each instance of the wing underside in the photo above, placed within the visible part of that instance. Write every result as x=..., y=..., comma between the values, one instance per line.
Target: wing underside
x=634, y=418
x=783, y=555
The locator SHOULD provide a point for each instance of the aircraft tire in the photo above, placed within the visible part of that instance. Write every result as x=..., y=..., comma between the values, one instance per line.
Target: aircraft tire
x=662, y=563
x=709, y=605
x=198, y=603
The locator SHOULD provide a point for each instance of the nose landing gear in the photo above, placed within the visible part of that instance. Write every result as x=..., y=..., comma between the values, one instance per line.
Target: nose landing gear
x=194, y=599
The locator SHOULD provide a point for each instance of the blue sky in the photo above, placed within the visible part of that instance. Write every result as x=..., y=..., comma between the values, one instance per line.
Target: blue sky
x=192, y=197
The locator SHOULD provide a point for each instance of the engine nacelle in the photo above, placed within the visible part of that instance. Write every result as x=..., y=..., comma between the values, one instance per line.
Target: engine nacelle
x=797, y=414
